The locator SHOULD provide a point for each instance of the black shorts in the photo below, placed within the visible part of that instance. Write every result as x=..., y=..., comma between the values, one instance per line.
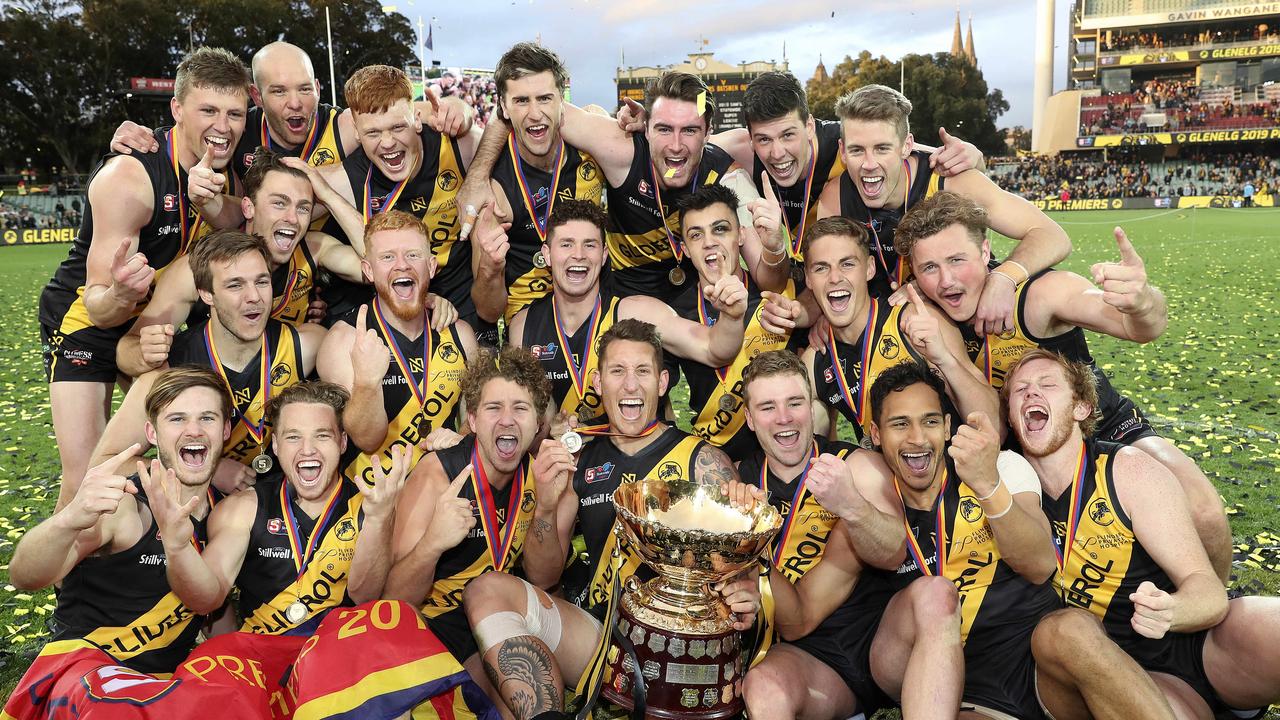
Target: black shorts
x=86, y=355
x=1180, y=655
x=1001, y=675
x=843, y=643
x=1124, y=423
x=454, y=633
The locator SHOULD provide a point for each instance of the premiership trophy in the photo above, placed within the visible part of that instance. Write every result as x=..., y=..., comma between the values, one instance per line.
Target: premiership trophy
x=686, y=650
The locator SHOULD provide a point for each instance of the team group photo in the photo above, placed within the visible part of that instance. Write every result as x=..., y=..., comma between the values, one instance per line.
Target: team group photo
x=376, y=361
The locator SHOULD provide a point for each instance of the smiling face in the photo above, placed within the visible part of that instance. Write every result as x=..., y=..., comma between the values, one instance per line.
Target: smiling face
x=286, y=88
x=400, y=266
x=713, y=241
x=308, y=441
x=575, y=255
x=241, y=295
x=837, y=269
x=210, y=118
x=630, y=382
x=280, y=212
x=912, y=434
x=188, y=434
x=390, y=139
x=533, y=105
x=676, y=135
x=950, y=269
x=873, y=155
x=780, y=413
x=1043, y=409
x=505, y=423
x=784, y=146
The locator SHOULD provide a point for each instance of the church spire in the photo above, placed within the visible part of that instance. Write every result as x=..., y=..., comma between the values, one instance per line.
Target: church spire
x=969, y=54
x=957, y=49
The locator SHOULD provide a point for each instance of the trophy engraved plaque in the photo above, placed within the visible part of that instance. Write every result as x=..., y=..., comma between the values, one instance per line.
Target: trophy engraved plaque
x=690, y=655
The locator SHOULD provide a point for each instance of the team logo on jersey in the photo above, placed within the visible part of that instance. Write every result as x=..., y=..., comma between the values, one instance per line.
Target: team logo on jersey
x=889, y=348
x=415, y=365
x=275, y=526
x=1100, y=512
x=322, y=156
x=644, y=189
x=418, y=204
x=118, y=684
x=447, y=181
x=170, y=202
x=241, y=396
x=280, y=375
x=829, y=375
x=670, y=470
x=598, y=473
x=587, y=170
x=448, y=352
x=375, y=203
x=543, y=352
x=346, y=530
x=970, y=510
x=527, y=501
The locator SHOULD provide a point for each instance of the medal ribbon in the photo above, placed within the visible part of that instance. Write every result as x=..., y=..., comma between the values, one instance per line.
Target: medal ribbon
x=940, y=523
x=796, y=499
x=577, y=371
x=499, y=539
x=1073, y=519
x=288, y=288
x=302, y=554
x=418, y=388
x=677, y=247
x=603, y=429
x=259, y=429
x=793, y=237
x=871, y=225
x=308, y=145
x=392, y=196
x=189, y=229
x=539, y=223
x=859, y=406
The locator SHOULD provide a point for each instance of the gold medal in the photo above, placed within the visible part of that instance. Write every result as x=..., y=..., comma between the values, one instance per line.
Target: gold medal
x=728, y=403
x=572, y=441
x=424, y=427
x=261, y=463
x=539, y=261
x=295, y=613
x=797, y=273
x=585, y=414
x=676, y=276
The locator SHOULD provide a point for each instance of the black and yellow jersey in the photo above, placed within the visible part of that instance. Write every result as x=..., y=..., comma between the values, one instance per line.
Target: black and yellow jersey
x=715, y=394
x=270, y=579
x=252, y=386
x=843, y=376
x=602, y=467
x=411, y=419
x=123, y=604
x=529, y=190
x=496, y=541
x=323, y=145
x=291, y=287
x=800, y=201
x=173, y=226
x=562, y=356
x=881, y=222
x=643, y=223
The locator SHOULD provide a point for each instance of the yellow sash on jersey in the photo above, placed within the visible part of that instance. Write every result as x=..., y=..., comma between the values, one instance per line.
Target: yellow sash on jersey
x=590, y=398
x=1101, y=555
x=323, y=584
x=628, y=250
x=998, y=354
x=890, y=349
x=439, y=214
x=285, y=371
x=157, y=628
x=290, y=305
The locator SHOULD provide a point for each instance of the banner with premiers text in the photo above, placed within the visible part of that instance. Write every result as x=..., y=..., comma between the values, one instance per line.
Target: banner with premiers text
x=1178, y=138
x=39, y=236
x=1162, y=203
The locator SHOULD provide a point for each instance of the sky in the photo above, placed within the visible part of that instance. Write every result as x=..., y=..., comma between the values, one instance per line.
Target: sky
x=592, y=35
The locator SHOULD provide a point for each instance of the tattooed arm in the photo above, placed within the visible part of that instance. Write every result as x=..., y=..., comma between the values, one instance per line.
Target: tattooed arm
x=712, y=467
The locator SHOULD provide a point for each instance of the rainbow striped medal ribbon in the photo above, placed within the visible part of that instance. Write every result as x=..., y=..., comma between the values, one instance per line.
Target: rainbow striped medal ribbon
x=857, y=406
x=308, y=145
x=796, y=498
x=302, y=554
x=391, y=199
x=261, y=462
x=1073, y=519
x=417, y=387
x=940, y=529
x=188, y=227
x=603, y=430
x=539, y=221
x=794, y=237
x=288, y=290
x=577, y=370
x=499, y=538
x=896, y=271
x=676, y=276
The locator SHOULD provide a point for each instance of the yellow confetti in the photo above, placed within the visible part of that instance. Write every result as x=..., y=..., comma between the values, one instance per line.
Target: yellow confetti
x=702, y=102
x=670, y=173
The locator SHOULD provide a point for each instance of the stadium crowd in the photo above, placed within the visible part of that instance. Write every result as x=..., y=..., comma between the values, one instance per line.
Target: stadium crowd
x=1183, y=109
x=1177, y=37
x=1039, y=177
x=477, y=91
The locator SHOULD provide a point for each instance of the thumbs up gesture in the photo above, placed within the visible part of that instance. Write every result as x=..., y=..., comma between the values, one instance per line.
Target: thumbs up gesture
x=974, y=448
x=204, y=184
x=1124, y=284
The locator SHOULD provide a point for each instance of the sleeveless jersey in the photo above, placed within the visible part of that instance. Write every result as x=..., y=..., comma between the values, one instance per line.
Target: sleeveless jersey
x=173, y=226
x=442, y=394
x=861, y=363
x=248, y=398
x=430, y=195
x=800, y=201
x=555, y=354
x=994, y=355
x=269, y=582
x=601, y=469
x=881, y=222
x=472, y=557
x=322, y=147
x=725, y=426
x=578, y=177
x=123, y=604
x=1105, y=562
x=639, y=247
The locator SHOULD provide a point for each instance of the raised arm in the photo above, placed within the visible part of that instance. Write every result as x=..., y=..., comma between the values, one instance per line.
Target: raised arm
x=117, y=276
x=357, y=359
x=938, y=340
x=715, y=346
x=551, y=533
x=372, y=560
x=146, y=346
x=489, y=263
x=764, y=248
x=858, y=489
x=600, y=136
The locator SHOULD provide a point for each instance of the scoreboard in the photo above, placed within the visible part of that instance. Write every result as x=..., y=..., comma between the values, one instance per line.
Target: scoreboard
x=726, y=91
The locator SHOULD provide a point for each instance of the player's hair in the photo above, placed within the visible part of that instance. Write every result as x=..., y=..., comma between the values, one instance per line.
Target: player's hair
x=935, y=214
x=771, y=96
x=215, y=68
x=222, y=246
x=876, y=102
x=635, y=331
x=771, y=363
x=680, y=86
x=899, y=378
x=173, y=382
x=525, y=59
x=266, y=161
x=392, y=220
x=1080, y=377
x=374, y=88
x=836, y=225
x=512, y=363
x=704, y=196
x=567, y=211
x=312, y=392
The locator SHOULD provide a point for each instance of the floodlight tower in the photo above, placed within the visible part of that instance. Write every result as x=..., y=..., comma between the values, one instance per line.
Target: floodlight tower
x=1043, y=86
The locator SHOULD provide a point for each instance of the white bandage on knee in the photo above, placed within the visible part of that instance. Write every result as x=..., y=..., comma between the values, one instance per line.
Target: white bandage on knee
x=544, y=622
x=538, y=621
x=498, y=628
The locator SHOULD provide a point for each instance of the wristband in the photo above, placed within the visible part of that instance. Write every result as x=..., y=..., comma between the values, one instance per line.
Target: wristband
x=1006, y=276
x=1004, y=512
x=993, y=492
x=1026, y=275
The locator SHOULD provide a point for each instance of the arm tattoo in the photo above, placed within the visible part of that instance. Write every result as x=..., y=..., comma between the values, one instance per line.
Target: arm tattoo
x=526, y=677
x=713, y=467
x=539, y=529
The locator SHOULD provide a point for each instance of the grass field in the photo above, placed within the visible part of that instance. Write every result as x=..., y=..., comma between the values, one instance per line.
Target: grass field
x=1211, y=383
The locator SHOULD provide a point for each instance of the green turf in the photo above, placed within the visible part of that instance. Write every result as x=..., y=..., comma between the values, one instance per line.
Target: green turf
x=1210, y=384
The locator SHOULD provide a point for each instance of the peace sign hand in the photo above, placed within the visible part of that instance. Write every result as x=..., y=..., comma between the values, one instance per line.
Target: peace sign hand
x=380, y=498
